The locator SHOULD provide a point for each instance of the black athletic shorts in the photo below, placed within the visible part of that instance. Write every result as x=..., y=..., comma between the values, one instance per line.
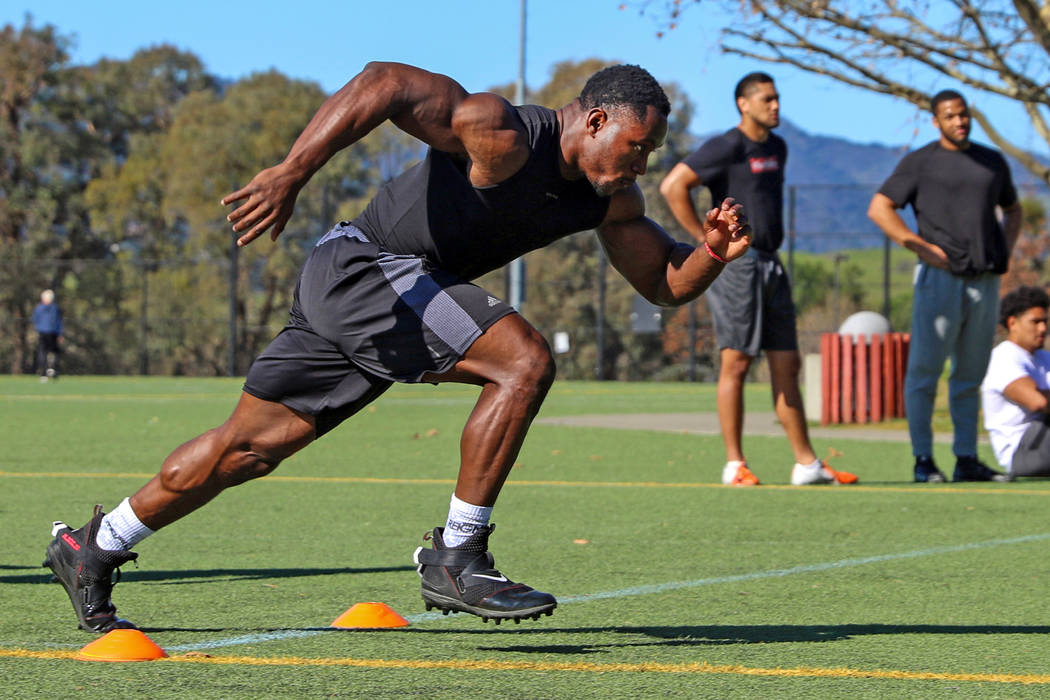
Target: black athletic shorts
x=751, y=305
x=363, y=318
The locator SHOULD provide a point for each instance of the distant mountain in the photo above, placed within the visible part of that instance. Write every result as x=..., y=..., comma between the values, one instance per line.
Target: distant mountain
x=834, y=179
x=828, y=160
x=833, y=160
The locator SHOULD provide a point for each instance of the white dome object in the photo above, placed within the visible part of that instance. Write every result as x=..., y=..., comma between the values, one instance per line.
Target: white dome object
x=864, y=323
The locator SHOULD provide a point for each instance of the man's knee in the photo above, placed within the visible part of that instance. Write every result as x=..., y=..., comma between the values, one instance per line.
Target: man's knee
x=533, y=368
x=215, y=461
x=735, y=366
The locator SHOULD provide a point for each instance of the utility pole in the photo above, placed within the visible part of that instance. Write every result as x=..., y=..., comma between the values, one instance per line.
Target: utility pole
x=234, y=255
x=516, y=268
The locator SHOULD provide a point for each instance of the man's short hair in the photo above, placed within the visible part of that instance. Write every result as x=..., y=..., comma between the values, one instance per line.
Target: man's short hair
x=1020, y=300
x=747, y=84
x=945, y=96
x=625, y=86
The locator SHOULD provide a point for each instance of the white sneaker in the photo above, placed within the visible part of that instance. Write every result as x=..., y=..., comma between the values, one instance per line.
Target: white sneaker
x=805, y=475
x=819, y=473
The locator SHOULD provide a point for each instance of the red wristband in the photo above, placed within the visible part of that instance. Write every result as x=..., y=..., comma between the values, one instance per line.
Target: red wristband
x=713, y=254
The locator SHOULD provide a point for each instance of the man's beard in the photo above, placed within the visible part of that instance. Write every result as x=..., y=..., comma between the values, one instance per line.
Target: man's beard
x=605, y=189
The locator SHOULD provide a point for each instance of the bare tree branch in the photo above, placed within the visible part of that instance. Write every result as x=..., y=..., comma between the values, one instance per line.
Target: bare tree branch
x=896, y=47
x=875, y=82
x=955, y=63
x=1038, y=122
x=1037, y=19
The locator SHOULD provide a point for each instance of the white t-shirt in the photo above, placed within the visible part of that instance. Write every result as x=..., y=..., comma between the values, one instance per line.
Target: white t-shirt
x=1005, y=420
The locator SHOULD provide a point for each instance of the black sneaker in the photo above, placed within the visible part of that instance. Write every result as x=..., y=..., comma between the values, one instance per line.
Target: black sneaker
x=972, y=469
x=926, y=472
x=464, y=579
x=86, y=572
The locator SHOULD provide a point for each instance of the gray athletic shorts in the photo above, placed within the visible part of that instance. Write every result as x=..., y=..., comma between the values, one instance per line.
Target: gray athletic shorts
x=1032, y=457
x=363, y=318
x=751, y=305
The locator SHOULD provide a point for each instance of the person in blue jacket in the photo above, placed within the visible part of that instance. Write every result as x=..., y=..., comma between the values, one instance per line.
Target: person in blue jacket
x=47, y=319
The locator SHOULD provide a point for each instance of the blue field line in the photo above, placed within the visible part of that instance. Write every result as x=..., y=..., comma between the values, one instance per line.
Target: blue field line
x=280, y=635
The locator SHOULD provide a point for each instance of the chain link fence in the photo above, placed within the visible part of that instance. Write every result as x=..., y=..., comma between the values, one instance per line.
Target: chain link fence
x=204, y=316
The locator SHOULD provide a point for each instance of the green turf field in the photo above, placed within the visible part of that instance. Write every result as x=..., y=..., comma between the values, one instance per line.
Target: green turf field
x=670, y=585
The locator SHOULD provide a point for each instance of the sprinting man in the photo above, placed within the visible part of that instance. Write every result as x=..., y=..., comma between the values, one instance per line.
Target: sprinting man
x=751, y=302
x=386, y=298
x=954, y=186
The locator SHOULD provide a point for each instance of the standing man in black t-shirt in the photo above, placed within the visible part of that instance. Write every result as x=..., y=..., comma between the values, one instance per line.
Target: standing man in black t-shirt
x=751, y=302
x=954, y=187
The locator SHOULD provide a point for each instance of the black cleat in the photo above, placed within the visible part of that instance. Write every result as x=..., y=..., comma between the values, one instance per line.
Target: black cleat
x=971, y=469
x=926, y=472
x=464, y=579
x=86, y=572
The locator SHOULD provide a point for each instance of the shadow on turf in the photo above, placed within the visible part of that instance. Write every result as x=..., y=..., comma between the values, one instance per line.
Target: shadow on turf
x=718, y=635
x=180, y=576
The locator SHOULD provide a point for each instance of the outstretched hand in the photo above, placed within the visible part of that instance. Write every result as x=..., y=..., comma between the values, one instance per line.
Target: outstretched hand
x=726, y=230
x=269, y=200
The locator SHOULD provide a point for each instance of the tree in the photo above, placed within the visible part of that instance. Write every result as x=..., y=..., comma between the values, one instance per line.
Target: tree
x=999, y=48
x=160, y=206
x=33, y=187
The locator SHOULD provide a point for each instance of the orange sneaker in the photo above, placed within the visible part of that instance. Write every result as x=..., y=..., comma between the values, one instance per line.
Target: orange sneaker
x=737, y=474
x=841, y=477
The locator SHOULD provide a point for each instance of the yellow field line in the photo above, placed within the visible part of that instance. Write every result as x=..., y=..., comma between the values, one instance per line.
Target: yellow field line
x=1006, y=490
x=580, y=667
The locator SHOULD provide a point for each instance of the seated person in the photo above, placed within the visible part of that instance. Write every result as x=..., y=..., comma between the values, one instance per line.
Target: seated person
x=1015, y=393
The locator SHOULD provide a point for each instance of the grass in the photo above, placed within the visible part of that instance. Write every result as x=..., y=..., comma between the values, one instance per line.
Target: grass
x=670, y=585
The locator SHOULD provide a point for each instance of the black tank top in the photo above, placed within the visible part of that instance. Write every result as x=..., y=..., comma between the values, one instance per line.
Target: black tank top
x=433, y=210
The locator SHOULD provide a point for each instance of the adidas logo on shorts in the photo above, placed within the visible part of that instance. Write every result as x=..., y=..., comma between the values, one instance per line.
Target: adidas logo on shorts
x=493, y=301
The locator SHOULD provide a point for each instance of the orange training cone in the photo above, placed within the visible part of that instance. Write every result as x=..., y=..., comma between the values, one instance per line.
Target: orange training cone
x=368, y=616
x=122, y=645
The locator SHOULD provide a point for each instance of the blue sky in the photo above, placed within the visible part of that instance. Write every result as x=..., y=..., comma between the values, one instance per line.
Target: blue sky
x=476, y=43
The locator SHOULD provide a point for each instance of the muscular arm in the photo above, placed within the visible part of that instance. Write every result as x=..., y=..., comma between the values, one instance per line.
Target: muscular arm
x=429, y=106
x=677, y=188
x=417, y=101
x=664, y=271
x=883, y=212
x=1027, y=395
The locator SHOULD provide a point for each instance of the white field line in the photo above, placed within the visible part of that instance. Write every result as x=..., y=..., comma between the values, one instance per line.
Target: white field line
x=645, y=590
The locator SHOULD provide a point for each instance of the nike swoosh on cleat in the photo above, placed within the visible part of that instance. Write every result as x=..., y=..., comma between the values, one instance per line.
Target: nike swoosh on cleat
x=501, y=578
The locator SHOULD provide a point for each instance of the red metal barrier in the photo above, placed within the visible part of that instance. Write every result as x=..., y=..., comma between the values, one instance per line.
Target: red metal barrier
x=847, y=378
x=860, y=357
x=875, y=378
x=862, y=380
x=835, y=387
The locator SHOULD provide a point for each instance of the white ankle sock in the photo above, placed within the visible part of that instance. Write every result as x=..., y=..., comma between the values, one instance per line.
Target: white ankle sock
x=121, y=529
x=464, y=519
x=729, y=470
